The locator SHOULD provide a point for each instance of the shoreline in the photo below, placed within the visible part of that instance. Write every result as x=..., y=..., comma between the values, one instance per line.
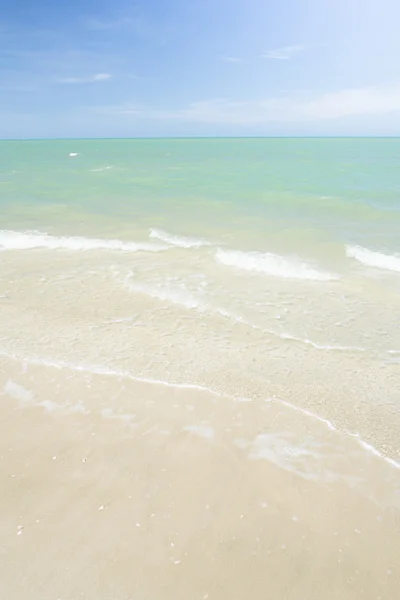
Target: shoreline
x=121, y=375
x=174, y=493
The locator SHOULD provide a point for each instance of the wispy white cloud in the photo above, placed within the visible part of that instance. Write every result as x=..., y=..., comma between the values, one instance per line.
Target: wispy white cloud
x=89, y=79
x=373, y=102
x=284, y=53
x=353, y=102
x=231, y=59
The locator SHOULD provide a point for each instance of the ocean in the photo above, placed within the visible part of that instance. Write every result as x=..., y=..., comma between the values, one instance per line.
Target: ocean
x=241, y=293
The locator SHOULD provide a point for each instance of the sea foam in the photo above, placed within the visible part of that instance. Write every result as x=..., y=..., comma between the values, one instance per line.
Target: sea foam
x=271, y=264
x=29, y=240
x=370, y=258
x=179, y=241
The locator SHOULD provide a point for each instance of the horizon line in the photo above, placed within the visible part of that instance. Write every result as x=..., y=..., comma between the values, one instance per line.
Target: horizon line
x=198, y=137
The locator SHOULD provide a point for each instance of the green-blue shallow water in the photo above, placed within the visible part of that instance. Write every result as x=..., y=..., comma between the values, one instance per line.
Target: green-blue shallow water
x=312, y=191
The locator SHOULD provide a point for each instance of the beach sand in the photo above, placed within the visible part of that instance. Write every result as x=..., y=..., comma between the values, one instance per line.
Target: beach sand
x=119, y=489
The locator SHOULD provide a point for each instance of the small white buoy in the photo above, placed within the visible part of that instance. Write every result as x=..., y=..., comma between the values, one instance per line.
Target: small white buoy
x=73, y=153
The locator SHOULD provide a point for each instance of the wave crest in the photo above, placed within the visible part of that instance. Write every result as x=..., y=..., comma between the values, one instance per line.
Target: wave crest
x=15, y=240
x=174, y=240
x=271, y=264
x=370, y=258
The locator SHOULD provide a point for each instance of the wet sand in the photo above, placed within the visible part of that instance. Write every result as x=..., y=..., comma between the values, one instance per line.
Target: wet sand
x=119, y=489
x=89, y=309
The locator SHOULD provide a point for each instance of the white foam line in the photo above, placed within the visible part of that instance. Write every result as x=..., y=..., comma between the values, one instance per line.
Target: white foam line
x=317, y=346
x=184, y=298
x=189, y=301
x=178, y=241
x=326, y=422
x=271, y=264
x=376, y=452
x=287, y=336
x=31, y=240
x=365, y=445
x=370, y=258
x=95, y=370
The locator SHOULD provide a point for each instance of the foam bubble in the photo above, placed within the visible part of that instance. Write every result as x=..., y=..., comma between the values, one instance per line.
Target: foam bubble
x=29, y=240
x=174, y=240
x=27, y=397
x=270, y=264
x=387, y=262
x=304, y=458
x=18, y=392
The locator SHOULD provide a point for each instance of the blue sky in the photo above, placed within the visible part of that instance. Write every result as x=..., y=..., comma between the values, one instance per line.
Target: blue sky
x=199, y=67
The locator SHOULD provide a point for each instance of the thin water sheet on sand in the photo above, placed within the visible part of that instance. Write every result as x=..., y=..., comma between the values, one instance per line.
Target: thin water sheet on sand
x=115, y=488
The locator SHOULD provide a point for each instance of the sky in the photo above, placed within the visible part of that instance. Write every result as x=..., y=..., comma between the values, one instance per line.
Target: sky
x=102, y=68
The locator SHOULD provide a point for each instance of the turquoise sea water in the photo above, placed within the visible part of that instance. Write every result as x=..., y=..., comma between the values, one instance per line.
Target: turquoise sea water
x=308, y=190
x=278, y=257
